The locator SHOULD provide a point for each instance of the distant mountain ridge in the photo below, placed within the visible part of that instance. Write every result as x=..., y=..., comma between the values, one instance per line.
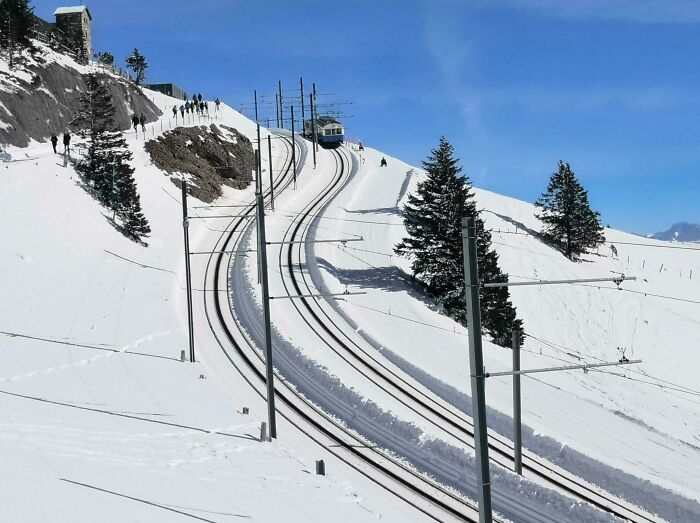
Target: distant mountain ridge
x=680, y=232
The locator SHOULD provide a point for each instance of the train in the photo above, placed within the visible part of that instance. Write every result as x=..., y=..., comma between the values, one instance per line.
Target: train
x=329, y=131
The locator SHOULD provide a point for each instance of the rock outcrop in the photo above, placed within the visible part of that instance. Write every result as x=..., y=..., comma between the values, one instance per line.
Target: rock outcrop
x=212, y=157
x=41, y=97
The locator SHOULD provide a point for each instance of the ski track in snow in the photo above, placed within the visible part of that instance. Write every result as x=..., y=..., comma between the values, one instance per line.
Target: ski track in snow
x=86, y=361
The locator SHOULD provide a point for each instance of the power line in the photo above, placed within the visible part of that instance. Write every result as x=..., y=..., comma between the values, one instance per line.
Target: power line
x=579, y=355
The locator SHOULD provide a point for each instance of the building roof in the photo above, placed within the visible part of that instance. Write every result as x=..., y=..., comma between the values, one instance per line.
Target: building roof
x=72, y=10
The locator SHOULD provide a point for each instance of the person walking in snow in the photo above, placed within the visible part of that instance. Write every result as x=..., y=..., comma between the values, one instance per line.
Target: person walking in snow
x=182, y=110
x=383, y=162
x=199, y=97
x=142, y=121
x=201, y=107
x=135, y=121
x=54, y=141
x=206, y=106
x=66, y=142
x=187, y=107
x=218, y=103
x=175, y=111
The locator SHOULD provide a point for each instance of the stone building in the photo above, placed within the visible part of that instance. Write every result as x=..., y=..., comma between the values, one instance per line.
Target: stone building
x=74, y=23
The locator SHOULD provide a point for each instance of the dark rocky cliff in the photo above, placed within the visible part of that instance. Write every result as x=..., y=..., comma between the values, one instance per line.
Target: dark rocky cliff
x=213, y=156
x=41, y=98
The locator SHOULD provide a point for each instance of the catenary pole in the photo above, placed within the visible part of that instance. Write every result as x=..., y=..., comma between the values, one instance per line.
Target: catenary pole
x=281, y=105
x=313, y=125
x=255, y=96
x=272, y=187
x=188, y=273
x=517, y=424
x=301, y=88
x=476, y=368
x=258, y=188
x=262, y=258
x=294, y=150
x=277, y=111
x=315, y=109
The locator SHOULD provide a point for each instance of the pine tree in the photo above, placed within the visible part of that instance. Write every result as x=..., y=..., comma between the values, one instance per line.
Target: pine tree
x=105, y=166
x=95, y=120
x=17, y=27
x=433, y=221
x=569, y=222
x=137, y=63
x=105, y=58
x=128, y=204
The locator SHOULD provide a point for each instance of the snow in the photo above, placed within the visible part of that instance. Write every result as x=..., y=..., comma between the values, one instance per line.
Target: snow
x=102, y=421
x=641, y=429
x=70, y=10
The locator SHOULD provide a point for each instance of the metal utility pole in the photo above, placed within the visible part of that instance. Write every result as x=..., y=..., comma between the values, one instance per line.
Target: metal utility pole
x=313, y=125
x=301, y=86
x=294, y=151
x=188, y=274
x=476, y=367
x=315, y=111
x=258, y=166
x=255, y=96
x=262, y=261
x=518, y=436
x=277, y=110
x=272, y=187
x=281, y=105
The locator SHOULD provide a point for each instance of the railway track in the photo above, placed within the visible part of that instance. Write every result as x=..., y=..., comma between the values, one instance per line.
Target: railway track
x=426, y=496
x=433, y=408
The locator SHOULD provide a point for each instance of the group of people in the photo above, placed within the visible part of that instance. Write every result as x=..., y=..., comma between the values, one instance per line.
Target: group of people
x=66, y=142
x=136, y=120
x=197, y=105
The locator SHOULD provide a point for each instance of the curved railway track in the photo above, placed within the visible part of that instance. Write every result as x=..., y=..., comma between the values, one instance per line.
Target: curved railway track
x=433, y=408
x=424, y=495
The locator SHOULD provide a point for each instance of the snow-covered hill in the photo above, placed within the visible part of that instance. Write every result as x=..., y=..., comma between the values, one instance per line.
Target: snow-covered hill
x=102, y=421
x=641, y=420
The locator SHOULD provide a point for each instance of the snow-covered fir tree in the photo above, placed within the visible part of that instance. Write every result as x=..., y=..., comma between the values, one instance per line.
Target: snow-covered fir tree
x=433, y=221
x=128, y=204
x=569, y=222
x=105, y=166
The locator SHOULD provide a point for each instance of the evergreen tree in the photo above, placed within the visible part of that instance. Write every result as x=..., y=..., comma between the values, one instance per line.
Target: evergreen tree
x=569, y=222
x=127, y=203
x=105, y=58
x=105, y=166
x=17, y=27
x=433, y=221
x=137, y=63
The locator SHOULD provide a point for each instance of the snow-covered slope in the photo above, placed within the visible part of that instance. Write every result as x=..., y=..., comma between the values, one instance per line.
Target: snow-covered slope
x=101, y=421
x=642, y=420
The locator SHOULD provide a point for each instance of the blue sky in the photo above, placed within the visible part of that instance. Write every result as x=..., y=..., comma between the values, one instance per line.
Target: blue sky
x=610, y=86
